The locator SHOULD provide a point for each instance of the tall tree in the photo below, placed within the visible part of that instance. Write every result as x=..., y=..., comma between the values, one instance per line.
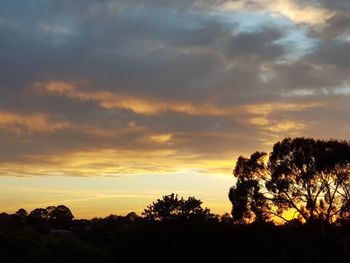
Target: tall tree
x=307, y=178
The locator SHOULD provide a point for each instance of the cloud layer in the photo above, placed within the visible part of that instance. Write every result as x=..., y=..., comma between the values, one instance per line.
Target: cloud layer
x=119, y=87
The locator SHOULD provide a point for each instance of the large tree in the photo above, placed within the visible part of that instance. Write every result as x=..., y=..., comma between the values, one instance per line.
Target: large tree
x=301, y=178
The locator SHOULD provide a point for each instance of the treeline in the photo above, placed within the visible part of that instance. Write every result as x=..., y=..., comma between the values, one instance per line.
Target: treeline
x=168, y=208
x=53, y=235
x=169, y=229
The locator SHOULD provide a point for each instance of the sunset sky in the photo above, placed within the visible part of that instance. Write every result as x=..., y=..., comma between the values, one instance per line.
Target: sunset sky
x=106, y=105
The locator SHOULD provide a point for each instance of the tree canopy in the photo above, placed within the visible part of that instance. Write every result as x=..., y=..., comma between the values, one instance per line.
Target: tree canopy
x=60, y=214
x=301, y=178
x=21, y=213
x=172, y=207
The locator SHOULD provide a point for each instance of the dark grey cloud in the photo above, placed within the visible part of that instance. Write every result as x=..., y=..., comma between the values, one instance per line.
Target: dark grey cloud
x=328, y=4
x=337, y=25
x=336, y=52
x=261, y=43
x=335, y=30
x=119, y=44
x=304, y=75
x=334, y=4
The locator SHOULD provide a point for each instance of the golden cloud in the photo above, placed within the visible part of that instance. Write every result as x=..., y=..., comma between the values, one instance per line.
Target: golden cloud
x=263, y=119
x=259, y=121
x=308, y=14
x=284, y=126
x=31, y=123
x=108, y=162
x=147, y=106
x=265, y=109
x=144, y=106
x=269, y=125
x=161, y=138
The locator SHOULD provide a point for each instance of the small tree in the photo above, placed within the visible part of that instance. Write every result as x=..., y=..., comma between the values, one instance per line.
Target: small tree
x=60, y=215
x=172, y=207
x=132, y=217
x=22, y=213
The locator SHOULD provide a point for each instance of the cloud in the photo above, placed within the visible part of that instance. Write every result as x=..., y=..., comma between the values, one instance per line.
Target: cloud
x=336, y=26
x=140, y=87
x=161, y=138
x=334, y=53
x=35, y=123
x=297, y=11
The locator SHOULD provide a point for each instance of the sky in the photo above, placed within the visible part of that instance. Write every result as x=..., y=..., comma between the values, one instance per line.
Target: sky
x=106, y=105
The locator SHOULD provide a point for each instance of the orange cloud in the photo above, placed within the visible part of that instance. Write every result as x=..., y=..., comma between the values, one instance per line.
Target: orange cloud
x=142, y=106
x=271, y=127
x=146, y=106
x=259, y=121
x=263, y=119
x=267, y=108
x=31, y=123
x=161, y=138
x=284, y=126
x=108, y=162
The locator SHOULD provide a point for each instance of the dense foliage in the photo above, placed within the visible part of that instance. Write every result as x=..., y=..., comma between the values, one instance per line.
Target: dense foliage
x=170, y=207
x=134, y=238
x=301, y=179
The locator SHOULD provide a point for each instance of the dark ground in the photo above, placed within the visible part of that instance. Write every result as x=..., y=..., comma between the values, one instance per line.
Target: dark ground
x=119, y=240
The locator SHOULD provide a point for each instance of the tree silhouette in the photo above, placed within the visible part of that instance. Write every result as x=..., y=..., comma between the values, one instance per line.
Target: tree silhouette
x=60, y=215
x=38, y=215
x=306, y=177
x=22, y=213
x=131, y=217
x=172, y=207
